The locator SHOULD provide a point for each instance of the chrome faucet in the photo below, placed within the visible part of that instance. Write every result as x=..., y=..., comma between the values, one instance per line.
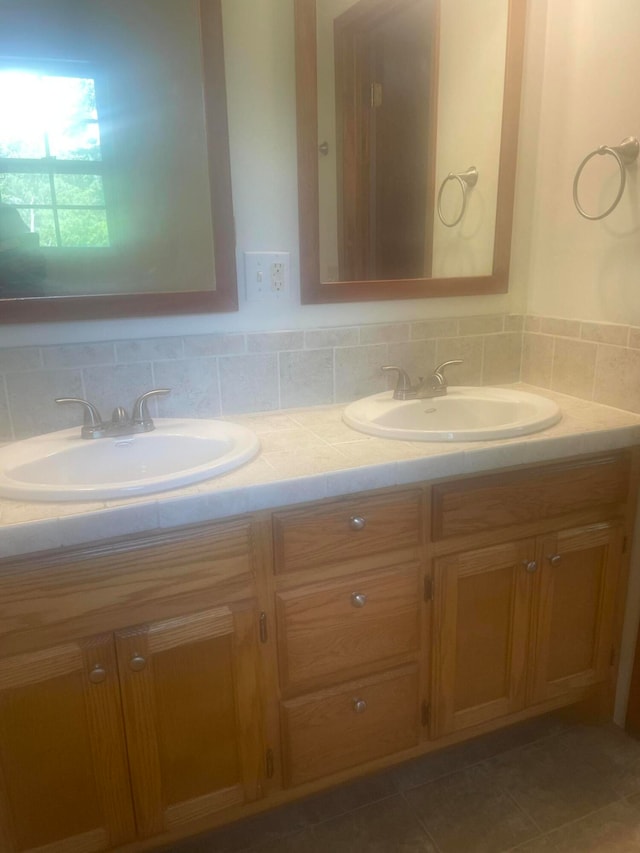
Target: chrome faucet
x=434, y=385
x=120, y=423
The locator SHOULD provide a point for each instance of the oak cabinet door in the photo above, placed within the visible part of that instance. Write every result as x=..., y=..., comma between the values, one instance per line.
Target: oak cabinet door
x=482, y=602
x=576, y=599
x=192, y=716
x=64, y=785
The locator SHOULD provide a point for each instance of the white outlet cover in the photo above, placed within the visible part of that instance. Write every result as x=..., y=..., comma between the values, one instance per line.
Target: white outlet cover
x=260, y=284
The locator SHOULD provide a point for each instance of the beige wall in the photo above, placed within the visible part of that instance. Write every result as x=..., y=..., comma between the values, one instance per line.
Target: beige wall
x=471, y=82
x=590, y=90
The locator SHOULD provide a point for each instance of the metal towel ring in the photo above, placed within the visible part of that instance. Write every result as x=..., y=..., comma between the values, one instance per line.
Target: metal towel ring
x=466, y=180
x=624, y=154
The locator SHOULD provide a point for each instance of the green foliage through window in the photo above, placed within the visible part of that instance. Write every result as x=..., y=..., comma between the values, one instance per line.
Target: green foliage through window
x=51, y=157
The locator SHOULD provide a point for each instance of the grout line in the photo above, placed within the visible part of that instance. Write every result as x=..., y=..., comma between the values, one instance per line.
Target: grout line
x=485, y=759
x=422, y=823
x=569, y=823
x=595, y=372
x=522, y=809
x=5, y=388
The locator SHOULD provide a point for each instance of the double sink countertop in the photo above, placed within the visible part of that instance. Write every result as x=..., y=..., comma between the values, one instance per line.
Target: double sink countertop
x=307, y=455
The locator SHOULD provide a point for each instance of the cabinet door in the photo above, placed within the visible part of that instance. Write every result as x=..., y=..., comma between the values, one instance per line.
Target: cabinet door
x=192, y=716
x=64, y=785
x=482, y=609
x=578, y=578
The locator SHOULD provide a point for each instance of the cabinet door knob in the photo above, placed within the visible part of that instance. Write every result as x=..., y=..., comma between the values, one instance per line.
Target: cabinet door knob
x=358, y=599
x=554, y=559
x=357, y=522
x=137, y=663
x=97, y=674
x=359, y=706
x=530, y=565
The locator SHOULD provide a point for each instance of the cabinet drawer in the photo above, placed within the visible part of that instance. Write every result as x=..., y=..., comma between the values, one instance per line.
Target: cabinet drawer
x=109, y=585
x=345, y=530
x=335, y=729
x=330, y=628
x=516, y=497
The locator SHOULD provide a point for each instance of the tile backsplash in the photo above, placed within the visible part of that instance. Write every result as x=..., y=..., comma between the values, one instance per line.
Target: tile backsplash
x=227, y=374
x=594, y=361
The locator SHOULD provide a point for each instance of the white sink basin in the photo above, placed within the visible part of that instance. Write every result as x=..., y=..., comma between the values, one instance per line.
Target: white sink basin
x=463, y=414
x=61, y=466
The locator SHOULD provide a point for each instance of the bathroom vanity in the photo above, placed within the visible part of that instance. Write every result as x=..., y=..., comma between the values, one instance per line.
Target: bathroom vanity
x=158, y=684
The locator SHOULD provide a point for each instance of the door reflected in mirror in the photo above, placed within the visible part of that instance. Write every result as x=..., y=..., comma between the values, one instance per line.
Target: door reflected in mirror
x=407, y=157
x=110, y=186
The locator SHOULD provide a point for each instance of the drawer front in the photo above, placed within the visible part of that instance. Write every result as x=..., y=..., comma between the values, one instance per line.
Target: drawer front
x=110, y=585
x=516, y=497
x=333, y=627
x=346, y=530
x=358, y=722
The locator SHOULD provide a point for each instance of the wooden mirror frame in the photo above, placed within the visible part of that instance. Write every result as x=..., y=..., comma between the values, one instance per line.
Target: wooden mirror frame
x=225, y=296
x=312, y=289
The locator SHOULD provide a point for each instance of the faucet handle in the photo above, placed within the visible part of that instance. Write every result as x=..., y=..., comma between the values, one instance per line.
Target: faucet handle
x=140, y=413
x=403, y=385
x=92, y=422
x=438, y=371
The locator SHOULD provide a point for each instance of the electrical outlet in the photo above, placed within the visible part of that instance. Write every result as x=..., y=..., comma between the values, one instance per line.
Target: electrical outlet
x=266, y=275
x=278, y=281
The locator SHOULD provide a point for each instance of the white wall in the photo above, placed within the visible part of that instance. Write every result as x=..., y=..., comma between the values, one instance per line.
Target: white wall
x=591, y=89
x=259, y=48
x=471, y=81
x=586, y=73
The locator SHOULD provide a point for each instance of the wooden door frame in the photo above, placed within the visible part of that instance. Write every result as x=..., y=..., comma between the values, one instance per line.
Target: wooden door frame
x=354, y=200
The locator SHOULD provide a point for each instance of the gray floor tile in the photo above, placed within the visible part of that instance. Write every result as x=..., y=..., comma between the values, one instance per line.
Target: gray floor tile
x=385, y=827
x=445, y=761
x=613, y=829
x=563, y=778
x=276, y=825
x=580, y=785
x=467, y=812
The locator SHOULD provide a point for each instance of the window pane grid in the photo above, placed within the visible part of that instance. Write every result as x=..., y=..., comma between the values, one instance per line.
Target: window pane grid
x=60, y=195
x=47, y=165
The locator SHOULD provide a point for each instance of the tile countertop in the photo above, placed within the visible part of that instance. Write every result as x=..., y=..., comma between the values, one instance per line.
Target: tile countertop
x=309, y=454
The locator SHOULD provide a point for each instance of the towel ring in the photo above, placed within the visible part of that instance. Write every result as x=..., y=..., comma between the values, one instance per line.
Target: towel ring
x=466, y=180
x=624, y=154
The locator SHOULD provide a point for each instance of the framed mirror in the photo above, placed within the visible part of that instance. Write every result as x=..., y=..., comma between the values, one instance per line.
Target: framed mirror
x=115, y=185
x=407, y=122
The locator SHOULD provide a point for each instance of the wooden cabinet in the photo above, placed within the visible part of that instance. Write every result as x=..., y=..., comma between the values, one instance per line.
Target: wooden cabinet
x=482, y=610
x=64, y=782
x=526, y=620
x=192, y=716
x=341, y=628
x=573, y=634
x=145, y=730
x=350, y=642
x=349, y=724
x=155, y=686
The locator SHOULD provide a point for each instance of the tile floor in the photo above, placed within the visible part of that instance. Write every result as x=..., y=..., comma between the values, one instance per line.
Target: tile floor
x=541, y=786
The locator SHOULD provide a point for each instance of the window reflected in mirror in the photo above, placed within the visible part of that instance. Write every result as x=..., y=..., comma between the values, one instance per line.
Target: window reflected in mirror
x=106, y=173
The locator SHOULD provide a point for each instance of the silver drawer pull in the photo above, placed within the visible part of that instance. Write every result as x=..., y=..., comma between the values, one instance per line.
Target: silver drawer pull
x=554, y=559
x=359, y=706
x=137, y=663
x=530, y=565
x=358, y=599
x=97, y=674
x=357, y=522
